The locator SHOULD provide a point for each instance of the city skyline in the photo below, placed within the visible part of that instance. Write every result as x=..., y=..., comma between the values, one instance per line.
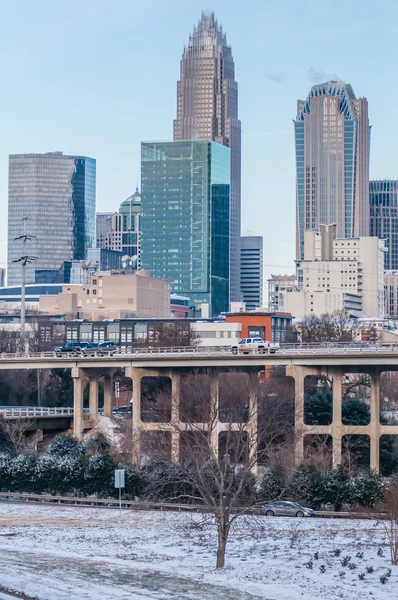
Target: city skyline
x=42, y=112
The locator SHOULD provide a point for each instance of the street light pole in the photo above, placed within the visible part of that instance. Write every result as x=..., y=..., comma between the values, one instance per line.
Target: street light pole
x=24, y=260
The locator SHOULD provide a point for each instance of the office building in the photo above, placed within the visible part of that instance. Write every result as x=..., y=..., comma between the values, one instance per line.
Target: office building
x=251, y=271
x=56, y=193
x=332, y=137
x=337, y=274
x=391, y=294
x=383, y=200
x=207, y=109
x=121, y=230
x=111, y=295
x=275, y=283
x=185, y=219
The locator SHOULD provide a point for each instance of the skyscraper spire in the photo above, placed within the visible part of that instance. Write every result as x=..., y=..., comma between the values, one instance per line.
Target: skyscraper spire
x=207, y=109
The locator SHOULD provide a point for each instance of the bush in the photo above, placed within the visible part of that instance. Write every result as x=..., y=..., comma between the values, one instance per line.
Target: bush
x=64, y=445
x=304, y=485
x=5, y=471
x=272, y=485
x=99, y=476
x=334, y=488
x=366, y=489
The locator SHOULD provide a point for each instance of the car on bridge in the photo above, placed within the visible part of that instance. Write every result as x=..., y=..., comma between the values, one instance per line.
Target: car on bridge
x=73, y=348
x=99, y=349
x=253, y=345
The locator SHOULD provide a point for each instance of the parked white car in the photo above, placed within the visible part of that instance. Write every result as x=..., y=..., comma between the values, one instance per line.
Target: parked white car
x=255, y=344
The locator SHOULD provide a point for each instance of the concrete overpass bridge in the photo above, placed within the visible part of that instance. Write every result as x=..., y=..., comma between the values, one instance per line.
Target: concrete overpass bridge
x=327, y=361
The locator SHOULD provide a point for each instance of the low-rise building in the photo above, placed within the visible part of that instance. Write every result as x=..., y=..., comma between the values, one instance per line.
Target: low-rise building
x=112, y=295
x=275, y=283
x=337, y=274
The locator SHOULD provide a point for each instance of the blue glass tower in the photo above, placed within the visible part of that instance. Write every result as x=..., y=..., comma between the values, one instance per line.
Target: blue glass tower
x=185, y=222
x=56, y=193
x=383, y=200
x=332, y=138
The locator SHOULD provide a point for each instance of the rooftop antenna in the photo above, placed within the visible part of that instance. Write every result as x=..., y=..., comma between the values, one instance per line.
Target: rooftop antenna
x=25, y=259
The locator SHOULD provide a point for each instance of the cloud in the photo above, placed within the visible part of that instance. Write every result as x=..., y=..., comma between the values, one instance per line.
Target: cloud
x=319, y=76
x=277, y=77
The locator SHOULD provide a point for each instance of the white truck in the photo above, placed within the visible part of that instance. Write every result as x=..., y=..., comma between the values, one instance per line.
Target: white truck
x=254, y=345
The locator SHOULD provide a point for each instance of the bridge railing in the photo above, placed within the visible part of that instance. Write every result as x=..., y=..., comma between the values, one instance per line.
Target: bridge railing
x=295, y=349
x=34, y=412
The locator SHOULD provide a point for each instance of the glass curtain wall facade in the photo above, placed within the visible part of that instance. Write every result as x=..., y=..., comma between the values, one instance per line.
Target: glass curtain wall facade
x=332, y=138
x=207, y=109
x=56, y=193
x=185, y=222
x=383, y=200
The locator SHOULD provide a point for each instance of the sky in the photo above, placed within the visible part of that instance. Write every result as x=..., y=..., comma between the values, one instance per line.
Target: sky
x=96, y=78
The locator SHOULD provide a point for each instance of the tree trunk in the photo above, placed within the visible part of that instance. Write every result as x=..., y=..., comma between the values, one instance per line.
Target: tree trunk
x=222, y=543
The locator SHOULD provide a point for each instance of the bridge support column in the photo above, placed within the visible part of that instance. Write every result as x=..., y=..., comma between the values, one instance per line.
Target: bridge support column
x=252, y=426
x=108, y=393
x=93, y=398
x=337, y=423
x=136, y=375
x=214, y=425
x=78, y=389
x=298, y=374
x=375, y=421
x=175, y=416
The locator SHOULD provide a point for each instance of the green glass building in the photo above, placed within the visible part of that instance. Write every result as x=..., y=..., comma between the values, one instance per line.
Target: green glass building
x=185, y=221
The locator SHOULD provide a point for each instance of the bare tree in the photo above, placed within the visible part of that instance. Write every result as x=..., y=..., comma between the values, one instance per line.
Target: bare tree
x=176, y=334
x=334, y=327
x=390, y=523
x=223, y=435
x=15, y=433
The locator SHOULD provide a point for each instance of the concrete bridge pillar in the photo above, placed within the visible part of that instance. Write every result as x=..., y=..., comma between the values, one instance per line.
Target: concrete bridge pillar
x=337, y=423
x=298, y=374
x=214, y=425
x=136, y=375
x=375, y=421
x=108, y=393
x=175, y=416
x=252, y=426
x=93, y=398
x=78, y=389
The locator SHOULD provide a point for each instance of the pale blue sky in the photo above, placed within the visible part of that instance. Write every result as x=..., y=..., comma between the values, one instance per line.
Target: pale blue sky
x=97, y=77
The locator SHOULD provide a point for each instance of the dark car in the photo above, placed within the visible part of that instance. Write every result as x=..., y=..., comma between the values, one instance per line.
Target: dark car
x=99, y=349
x=74, y=348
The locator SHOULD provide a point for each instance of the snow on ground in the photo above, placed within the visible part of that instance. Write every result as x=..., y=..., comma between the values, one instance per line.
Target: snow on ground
x=66, y=553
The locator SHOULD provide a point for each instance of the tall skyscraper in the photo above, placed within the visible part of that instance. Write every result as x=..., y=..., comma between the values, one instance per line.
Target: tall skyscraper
x=56, y=193
x=185, y=219
x=251, y=271
x=207, y=109
x=332, y=136
x=383, y=200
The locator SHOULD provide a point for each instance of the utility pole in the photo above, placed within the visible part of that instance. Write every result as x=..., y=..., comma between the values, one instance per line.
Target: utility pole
x=24, y=260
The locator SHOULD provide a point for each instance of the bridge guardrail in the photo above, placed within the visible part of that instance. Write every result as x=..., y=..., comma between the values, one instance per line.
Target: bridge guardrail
x=21, y=412
x=285, y=349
